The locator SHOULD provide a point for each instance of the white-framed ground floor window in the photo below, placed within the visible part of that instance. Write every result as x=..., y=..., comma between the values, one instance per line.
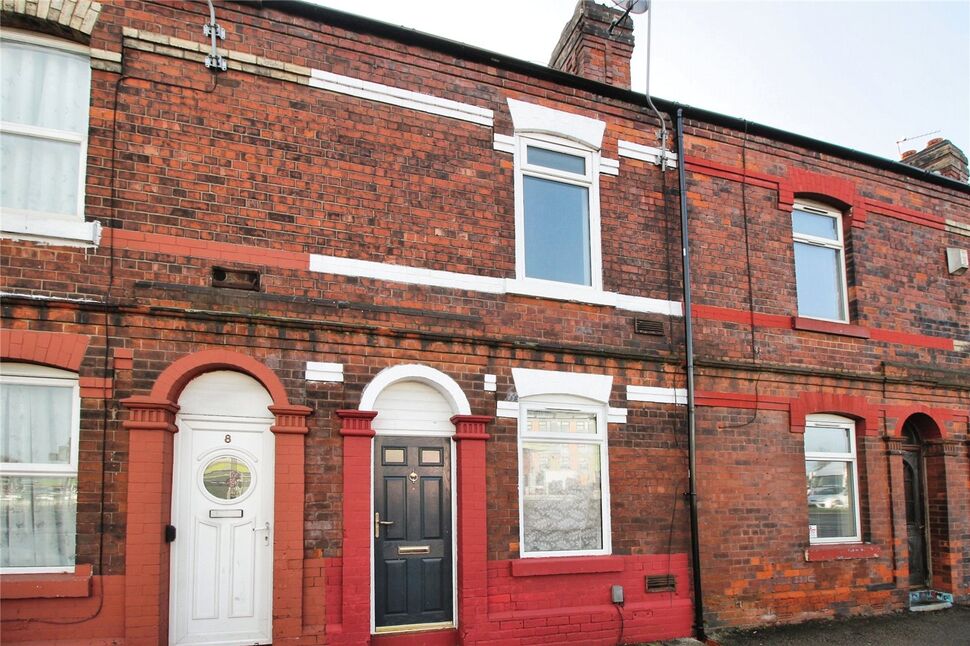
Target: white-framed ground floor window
x=831, y=479
x=39, y=427
x=563, y=478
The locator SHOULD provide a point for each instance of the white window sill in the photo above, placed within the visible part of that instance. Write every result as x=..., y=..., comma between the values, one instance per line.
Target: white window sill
x=490, y=285
x=51, y=231
x=591, y=295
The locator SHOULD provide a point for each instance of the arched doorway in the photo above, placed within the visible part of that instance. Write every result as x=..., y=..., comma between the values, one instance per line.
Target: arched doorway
x=927, y=510
x=151, y=425
x=414, y=511
x=223, y=480
x=914, y=486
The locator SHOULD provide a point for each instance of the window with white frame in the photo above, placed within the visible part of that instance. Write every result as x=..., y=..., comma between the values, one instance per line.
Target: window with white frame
x=44, y=95
x=39, y=422
x=819, y=262
x=559, y=226
x=563, y=478
x=831, y=479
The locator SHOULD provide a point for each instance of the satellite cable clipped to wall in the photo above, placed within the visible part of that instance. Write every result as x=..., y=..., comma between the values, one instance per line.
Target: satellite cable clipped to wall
x=214, y=31
x=638, y=7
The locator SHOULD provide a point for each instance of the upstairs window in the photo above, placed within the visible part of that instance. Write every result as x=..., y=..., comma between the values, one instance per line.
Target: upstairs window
x=39, y=422
x=831, y=480
x=557, y=213
x=44, y=93
x=819, y=262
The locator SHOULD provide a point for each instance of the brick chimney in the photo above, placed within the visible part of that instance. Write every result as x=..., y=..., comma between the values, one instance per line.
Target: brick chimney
x=588, y=49
x=941, y=157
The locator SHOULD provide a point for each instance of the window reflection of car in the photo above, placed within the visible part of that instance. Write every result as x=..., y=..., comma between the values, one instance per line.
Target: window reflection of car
x=828, y=498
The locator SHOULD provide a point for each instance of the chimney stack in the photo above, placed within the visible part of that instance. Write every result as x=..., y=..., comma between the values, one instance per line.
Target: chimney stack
x=941, y=157
x=588, y=49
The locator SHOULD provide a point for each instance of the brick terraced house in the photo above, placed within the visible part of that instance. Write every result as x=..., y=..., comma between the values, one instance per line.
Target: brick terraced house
x=375, y=337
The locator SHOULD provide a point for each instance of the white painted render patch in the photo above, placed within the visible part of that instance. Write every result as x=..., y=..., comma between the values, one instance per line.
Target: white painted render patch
x=400, y=97
x=490, y=383
x=489, y=285
x=511, y=410
x=529, y=383
x=320, y=371
x=656, y=395
x=616, y=415
x=609, y=166
x=529, y=117
x=506, y=144
x=649, y=154
x=507, y=409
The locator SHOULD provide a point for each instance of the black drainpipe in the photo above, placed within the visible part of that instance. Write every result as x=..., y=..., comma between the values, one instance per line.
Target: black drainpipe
x=695, y=544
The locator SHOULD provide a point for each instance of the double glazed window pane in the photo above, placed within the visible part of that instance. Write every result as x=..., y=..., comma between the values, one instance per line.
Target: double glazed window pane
x=35, y=424
x=813, y=224
x=818, y=277
x=556, y=231
x=548, y=421
x=38, y=488
x=43, y=106
x=44, y=87
x=556, y=160
x=561, y=497
x=831, y=499
x=819, y=439
x=39, y=175
x=37, y=521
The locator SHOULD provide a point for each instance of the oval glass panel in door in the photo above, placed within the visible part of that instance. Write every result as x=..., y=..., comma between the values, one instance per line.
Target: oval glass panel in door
x=227, y=478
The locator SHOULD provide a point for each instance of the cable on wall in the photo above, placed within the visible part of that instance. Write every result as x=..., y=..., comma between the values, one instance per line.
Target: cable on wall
x=106, y=362
x=755, y=351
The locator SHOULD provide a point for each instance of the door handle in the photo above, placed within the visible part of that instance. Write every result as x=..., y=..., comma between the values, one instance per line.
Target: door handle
x=263, y=529
x=378, y=522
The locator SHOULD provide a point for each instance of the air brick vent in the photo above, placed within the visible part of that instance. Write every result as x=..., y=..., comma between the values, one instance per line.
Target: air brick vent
x=235, y=278
x=653, y=328
x=661, y=583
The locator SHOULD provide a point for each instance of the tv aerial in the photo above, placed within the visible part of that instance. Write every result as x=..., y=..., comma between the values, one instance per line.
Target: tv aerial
x=628, y=7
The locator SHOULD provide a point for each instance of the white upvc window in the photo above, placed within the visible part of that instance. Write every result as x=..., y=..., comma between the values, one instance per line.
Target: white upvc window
x=819, y=262
x=557, y=229
x=44, y=96
x=39, y=426
x=832, y=480
x=564, y=500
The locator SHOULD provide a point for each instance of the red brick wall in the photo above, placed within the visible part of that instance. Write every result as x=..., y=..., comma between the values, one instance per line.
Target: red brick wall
x=240, y=170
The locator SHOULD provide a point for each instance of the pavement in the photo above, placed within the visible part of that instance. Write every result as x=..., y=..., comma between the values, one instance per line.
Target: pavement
x=940, y=628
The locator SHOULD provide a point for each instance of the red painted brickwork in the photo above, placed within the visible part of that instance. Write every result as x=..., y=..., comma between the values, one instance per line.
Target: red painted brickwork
x=251, y=172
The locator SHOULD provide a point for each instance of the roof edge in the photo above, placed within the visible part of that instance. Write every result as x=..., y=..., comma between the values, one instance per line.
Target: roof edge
x=410, y=36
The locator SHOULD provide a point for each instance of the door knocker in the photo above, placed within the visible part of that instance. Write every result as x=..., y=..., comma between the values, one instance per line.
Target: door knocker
x=413, y=477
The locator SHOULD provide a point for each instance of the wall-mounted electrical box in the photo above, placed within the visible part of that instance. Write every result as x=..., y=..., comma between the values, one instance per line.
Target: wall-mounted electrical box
x=957, y=260
x=616, y=594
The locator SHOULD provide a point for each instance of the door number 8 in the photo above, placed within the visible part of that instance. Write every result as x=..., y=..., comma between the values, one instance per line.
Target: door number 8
x=228, y=438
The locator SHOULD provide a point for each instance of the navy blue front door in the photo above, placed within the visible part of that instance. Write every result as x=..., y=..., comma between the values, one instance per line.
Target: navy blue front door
x=412, y=531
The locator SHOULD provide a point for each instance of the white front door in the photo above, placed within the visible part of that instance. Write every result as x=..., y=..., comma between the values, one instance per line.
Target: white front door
x=222, y=509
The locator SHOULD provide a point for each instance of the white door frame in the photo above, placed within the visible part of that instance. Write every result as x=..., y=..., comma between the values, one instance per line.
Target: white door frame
x=265, y=464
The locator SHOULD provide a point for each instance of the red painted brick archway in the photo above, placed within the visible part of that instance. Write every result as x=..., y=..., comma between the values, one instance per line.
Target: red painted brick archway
x=151, y=425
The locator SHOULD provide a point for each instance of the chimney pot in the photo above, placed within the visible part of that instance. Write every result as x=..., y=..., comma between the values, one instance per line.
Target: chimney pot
x=941, y=157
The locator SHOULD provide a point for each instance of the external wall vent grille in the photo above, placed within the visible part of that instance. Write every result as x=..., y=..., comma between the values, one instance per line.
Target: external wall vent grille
x=235, y=278
x=653, y=328
x=661, y=583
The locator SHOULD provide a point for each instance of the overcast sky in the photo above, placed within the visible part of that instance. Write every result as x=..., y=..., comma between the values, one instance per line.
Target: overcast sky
x=861, y=74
